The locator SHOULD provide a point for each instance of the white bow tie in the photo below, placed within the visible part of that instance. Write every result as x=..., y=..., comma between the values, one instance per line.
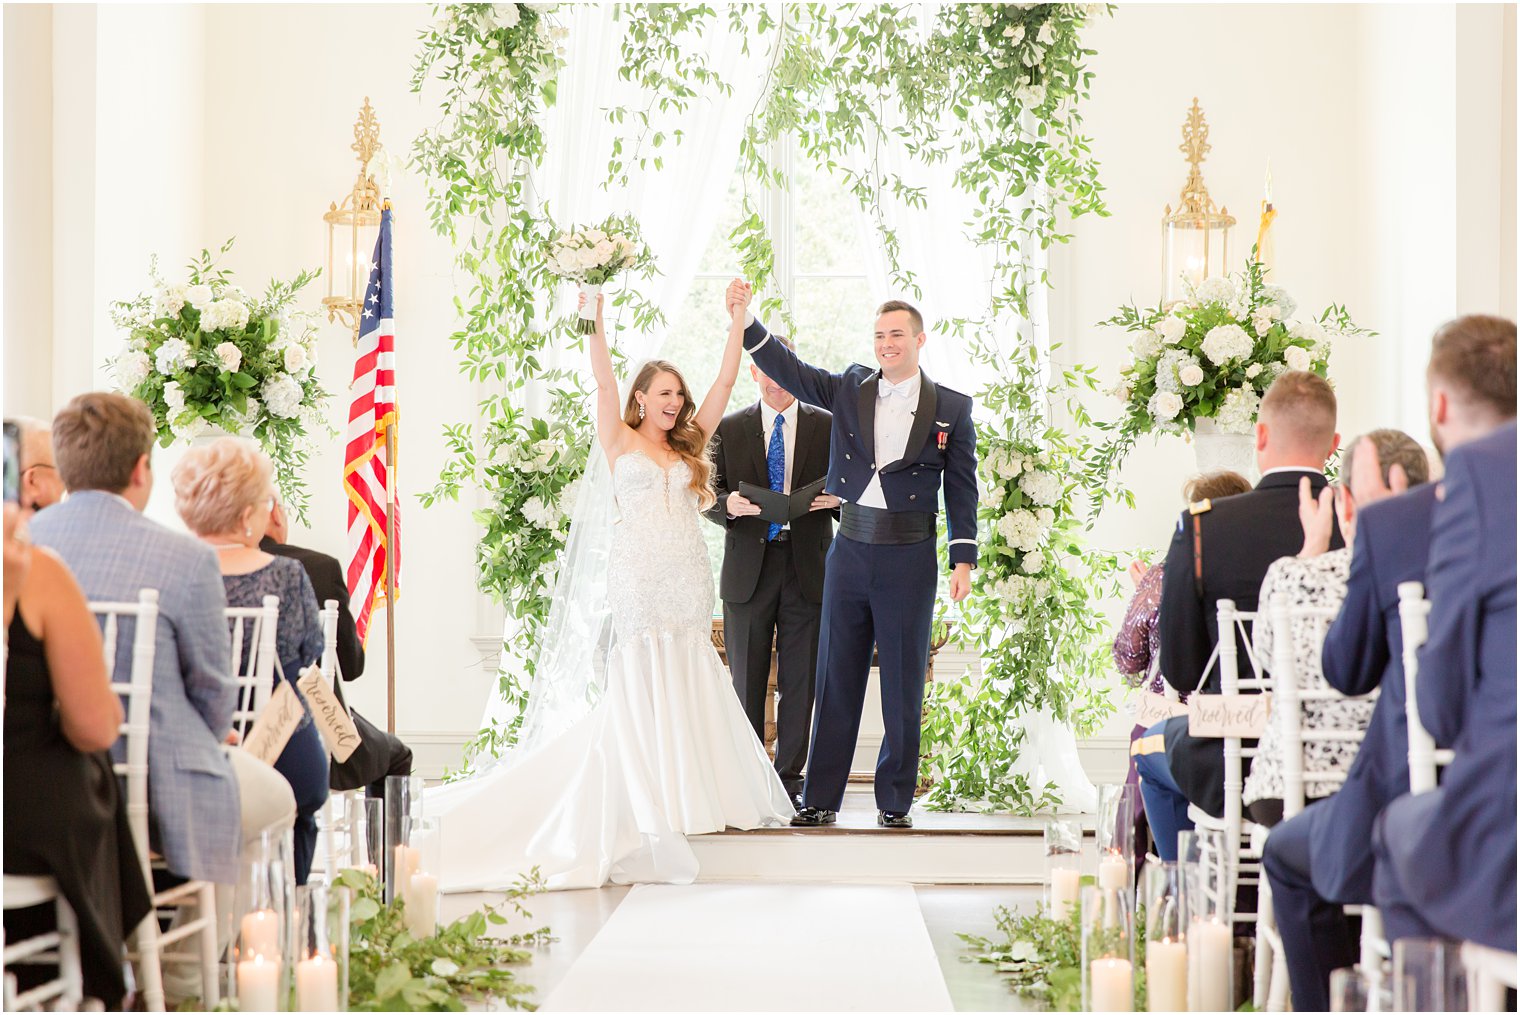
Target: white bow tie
x=886, y=388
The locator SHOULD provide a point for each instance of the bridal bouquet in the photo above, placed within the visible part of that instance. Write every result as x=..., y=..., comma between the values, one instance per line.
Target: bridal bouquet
x=592, y=257
x=205, y=356
x=1214, y=354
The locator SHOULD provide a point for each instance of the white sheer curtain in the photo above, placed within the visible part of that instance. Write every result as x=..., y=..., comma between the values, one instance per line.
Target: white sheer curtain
x=675, y=206
x=954, y=274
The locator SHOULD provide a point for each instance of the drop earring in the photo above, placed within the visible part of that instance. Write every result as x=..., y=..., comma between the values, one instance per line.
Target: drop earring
x=641, y=410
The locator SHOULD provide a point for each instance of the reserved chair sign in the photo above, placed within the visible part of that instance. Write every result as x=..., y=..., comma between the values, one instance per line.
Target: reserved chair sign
x=332, y=718
x=276, y=724
x=1229, y=715
x=1152, y=708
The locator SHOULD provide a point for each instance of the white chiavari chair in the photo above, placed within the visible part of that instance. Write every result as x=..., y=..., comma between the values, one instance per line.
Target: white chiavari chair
x=1271, y=986
x=253, y=627
x=1241, y=857
x=59, y=947
x=337, y=820
x=150, y=946
x=1490, y=971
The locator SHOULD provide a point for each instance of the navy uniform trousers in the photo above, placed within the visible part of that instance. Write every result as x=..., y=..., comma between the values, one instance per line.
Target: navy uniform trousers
x=879, y=596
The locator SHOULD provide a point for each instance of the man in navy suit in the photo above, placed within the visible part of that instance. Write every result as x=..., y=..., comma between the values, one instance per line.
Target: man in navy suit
x=896, y=435
x=1446, y=858
x=1321, y=860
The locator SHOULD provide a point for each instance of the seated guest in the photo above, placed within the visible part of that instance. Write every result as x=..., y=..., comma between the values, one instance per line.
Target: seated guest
x=40, y=486
x=1317, y=578
x=1446, y=858
x=209, y=804
x=224, y=491
x=1321, y=860
x=1137, y=651
x=64, y=812
x=1238, y=539
x=379, y=753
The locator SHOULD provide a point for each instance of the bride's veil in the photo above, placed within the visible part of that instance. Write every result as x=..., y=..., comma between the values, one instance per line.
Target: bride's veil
x=570, y=663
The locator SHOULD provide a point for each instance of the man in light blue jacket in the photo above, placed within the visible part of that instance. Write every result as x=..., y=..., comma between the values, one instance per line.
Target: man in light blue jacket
x=208, y=802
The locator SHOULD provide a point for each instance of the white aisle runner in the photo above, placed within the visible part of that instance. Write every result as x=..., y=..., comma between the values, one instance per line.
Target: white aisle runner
x=758, y=947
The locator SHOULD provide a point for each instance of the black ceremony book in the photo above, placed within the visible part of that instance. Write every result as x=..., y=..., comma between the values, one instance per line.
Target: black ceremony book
x=782, y=508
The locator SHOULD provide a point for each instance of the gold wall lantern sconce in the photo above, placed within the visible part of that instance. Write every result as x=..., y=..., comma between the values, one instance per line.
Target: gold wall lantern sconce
x=1195, y=239
x=352, y=227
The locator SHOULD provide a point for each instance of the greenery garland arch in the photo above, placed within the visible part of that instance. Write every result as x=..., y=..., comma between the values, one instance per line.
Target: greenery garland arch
x=844, y=79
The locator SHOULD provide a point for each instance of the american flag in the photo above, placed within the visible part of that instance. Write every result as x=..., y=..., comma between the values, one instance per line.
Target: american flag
x=371, y=413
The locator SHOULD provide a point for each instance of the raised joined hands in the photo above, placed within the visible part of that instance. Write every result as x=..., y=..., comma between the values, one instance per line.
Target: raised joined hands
x=736, y=298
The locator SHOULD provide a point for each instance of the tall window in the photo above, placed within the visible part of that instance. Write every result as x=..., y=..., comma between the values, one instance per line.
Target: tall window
x=821, y=258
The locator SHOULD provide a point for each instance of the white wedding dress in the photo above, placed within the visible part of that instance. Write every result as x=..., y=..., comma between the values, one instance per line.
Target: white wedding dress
x=667, y=752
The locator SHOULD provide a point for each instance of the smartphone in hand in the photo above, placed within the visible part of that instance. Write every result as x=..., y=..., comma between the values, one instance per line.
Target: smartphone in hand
x=12, y=463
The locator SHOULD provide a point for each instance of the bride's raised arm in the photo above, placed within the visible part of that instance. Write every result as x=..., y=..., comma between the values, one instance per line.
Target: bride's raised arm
x=611, y=431
x=711, y=414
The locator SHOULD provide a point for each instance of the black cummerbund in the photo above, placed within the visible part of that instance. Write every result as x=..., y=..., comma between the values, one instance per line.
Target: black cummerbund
x=885, y=528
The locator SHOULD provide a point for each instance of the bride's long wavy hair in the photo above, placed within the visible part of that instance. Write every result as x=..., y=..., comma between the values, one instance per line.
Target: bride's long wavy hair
x=686, y=438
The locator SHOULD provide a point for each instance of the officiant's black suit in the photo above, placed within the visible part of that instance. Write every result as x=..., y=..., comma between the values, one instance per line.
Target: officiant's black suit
x=773, y=587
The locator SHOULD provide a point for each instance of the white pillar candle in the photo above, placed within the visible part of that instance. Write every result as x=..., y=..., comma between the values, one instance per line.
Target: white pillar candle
x=317, y=984
x=258, y=984
x=1166, y=973
x=1113, y=873
x=261, y=934
x=1112, y=985
x=422, y=905
x=1065, y=884
x=1210, y=947
x=408, y=861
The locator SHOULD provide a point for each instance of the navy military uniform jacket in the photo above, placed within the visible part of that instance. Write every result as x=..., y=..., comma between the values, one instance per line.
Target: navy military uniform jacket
x=941, y=444
x=1239, y=538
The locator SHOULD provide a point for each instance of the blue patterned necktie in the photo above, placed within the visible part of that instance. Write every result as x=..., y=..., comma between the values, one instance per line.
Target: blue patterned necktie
x=775, y=464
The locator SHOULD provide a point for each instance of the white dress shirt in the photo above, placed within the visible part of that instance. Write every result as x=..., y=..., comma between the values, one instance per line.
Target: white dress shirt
x=895, y=408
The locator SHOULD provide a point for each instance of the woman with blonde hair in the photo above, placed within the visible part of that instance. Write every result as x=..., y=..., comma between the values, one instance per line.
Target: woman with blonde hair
x=667, y=750
x=224, y=491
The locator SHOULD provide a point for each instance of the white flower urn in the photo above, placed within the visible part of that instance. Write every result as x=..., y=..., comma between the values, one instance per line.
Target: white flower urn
x=1214, y=449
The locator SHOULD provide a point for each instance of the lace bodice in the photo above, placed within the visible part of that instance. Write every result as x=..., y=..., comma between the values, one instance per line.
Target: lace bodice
x=660, y=579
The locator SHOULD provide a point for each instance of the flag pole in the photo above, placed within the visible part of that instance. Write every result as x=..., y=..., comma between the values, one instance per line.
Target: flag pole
x=390, y=577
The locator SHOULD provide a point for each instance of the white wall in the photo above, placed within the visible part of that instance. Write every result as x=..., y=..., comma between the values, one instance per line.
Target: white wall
x=277, y=147
x=175, y=127
x=29, y=209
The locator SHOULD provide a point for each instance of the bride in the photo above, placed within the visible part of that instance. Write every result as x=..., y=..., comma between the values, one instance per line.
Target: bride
x=667, y=750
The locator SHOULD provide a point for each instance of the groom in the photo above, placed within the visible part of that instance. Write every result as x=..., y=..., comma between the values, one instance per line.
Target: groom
x=896, y=433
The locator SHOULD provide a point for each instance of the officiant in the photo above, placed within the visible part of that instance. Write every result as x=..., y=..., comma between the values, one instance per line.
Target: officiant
x=772, y=581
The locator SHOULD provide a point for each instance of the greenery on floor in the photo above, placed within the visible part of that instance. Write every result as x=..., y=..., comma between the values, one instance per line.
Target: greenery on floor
x=390, y=970
x=1041, y=957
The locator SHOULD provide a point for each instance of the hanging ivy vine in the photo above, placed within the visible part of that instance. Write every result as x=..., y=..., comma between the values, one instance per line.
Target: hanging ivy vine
x=992, y=90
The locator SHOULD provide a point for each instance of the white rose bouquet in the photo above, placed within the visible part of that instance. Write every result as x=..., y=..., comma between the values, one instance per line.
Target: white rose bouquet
x=205, y=356
x=593, y=256
x=1213, y=354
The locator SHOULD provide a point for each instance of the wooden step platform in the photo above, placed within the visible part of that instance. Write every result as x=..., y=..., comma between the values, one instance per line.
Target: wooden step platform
x=941, y=848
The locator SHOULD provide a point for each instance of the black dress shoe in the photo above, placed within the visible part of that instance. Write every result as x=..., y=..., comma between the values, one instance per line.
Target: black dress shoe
x=814, y=817
x=797, y=803
x=892, y=819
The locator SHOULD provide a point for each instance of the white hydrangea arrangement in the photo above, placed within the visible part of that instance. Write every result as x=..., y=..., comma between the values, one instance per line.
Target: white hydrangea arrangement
x=1021, y=492
x=592, y=257
x=205, y=357
x=1213, y=354
x=531, y=471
